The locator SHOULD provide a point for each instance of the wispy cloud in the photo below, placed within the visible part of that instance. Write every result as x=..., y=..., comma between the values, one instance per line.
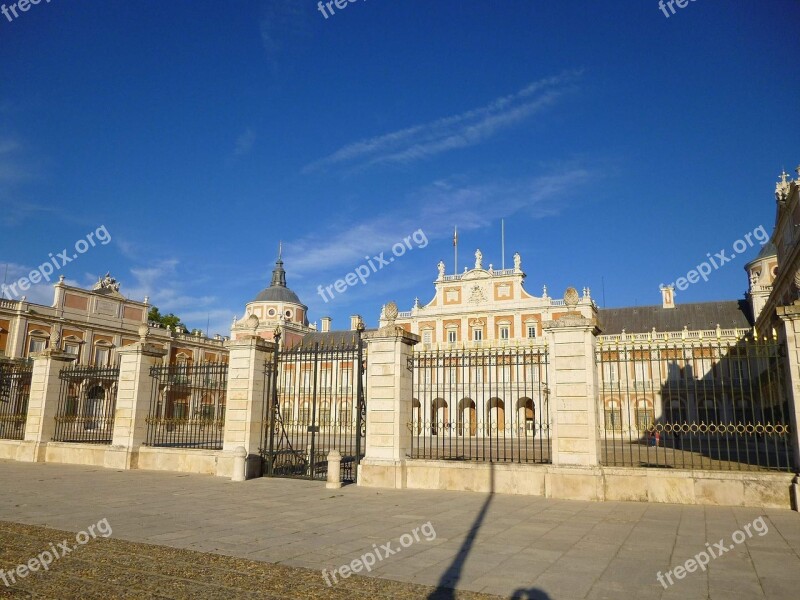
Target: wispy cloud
x=167, y=288
x=435, y=208
x=244, y=143
x=281, y=19
x=457, y=131
x=12, y=169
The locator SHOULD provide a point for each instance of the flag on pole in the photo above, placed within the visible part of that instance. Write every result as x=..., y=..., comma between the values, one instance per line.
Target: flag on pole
x=455, y=236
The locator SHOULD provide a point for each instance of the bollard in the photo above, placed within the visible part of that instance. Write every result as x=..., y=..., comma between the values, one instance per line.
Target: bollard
x=239, y=461
x=794, y=493
x=334, y=470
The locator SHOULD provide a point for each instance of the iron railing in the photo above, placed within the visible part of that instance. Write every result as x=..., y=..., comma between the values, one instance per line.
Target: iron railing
x=15, y=389
x=481, y=404
x=86, y=404
x=707, y=404
x=314, y=403
x=187, y=406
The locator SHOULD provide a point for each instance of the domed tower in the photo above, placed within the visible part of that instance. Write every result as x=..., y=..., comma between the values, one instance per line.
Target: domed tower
x=274, y=306
x=761, y=272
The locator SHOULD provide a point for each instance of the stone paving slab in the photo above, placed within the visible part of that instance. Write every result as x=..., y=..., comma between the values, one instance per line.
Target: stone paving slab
x=110, y=569
x=510, y=546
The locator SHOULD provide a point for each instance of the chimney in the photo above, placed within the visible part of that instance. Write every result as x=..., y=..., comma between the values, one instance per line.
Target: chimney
x=354, y=321
x=667, y=296
x=326, y=324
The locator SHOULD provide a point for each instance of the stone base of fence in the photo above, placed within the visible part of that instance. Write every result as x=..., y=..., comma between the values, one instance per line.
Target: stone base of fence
x=182, y=460
x=717, y=488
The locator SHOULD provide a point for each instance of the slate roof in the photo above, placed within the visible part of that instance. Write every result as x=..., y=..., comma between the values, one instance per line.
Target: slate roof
x=696, y=315
x=345, y=340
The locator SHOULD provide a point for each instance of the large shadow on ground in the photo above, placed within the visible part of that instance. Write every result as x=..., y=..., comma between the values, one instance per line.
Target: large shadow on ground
x=445, y=589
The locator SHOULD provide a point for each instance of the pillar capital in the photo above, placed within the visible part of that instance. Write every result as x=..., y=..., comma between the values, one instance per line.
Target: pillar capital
x=392, y=332
x=143, y=348
x=55, y=355
x=253, y=342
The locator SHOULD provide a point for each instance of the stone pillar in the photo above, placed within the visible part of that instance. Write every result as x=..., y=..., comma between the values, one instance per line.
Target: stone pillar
x=575, y=435
x=790, y=315
x=134, y=394
x=246, y=402
x=389, y=378
x=42, y=404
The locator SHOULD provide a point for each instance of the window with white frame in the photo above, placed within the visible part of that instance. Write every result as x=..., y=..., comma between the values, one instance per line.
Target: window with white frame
x=531, y=330
x=101, y=355
x=427, y=336
x=37, y=344
x=610, y=372
x=477, y=334
x=504, y=332
x=452, y=335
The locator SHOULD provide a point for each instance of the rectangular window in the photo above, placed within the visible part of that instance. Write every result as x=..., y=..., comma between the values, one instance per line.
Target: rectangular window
x=37, y=345
x=426, y=336
x=347, y=379
x=73, y=349
x=531, y=331
x=610, y=372
x=101, y=355
x=451, y=335
x=477, y=335
x=504, y=332
x=613, y=419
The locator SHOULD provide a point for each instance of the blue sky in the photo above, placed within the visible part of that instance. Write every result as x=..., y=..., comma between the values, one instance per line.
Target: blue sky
x=619, y=145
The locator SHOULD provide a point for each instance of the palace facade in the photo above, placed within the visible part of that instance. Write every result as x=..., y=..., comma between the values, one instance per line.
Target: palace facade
x=92, y=324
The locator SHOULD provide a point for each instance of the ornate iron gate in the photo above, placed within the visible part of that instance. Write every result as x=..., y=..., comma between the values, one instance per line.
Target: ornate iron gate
x=86, y=404
x=315, y=404
x=15, y=389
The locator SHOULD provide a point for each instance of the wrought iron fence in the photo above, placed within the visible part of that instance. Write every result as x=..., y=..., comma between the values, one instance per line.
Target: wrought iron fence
x=15, y=389
x=315, y=403
x=694, y=404
x=187, y=406
x=86, y=404
x=481, y=404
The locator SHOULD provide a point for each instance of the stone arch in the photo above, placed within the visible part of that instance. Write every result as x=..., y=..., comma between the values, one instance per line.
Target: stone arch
x=526, y=412
x=416, y=416
x=467, y=417
x=439, y=416
x=495, y=415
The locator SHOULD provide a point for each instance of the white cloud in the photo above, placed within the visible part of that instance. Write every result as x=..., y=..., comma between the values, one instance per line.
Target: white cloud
x=167, y=288
x=457, y=131
x=245, y=142
x=332, y=252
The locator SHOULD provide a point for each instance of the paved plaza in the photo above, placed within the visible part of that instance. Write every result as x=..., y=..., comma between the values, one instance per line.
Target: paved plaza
x=192, y=536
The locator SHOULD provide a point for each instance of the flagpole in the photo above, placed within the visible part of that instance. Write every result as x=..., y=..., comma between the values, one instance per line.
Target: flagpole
x=503, y=241
x=455, y=249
